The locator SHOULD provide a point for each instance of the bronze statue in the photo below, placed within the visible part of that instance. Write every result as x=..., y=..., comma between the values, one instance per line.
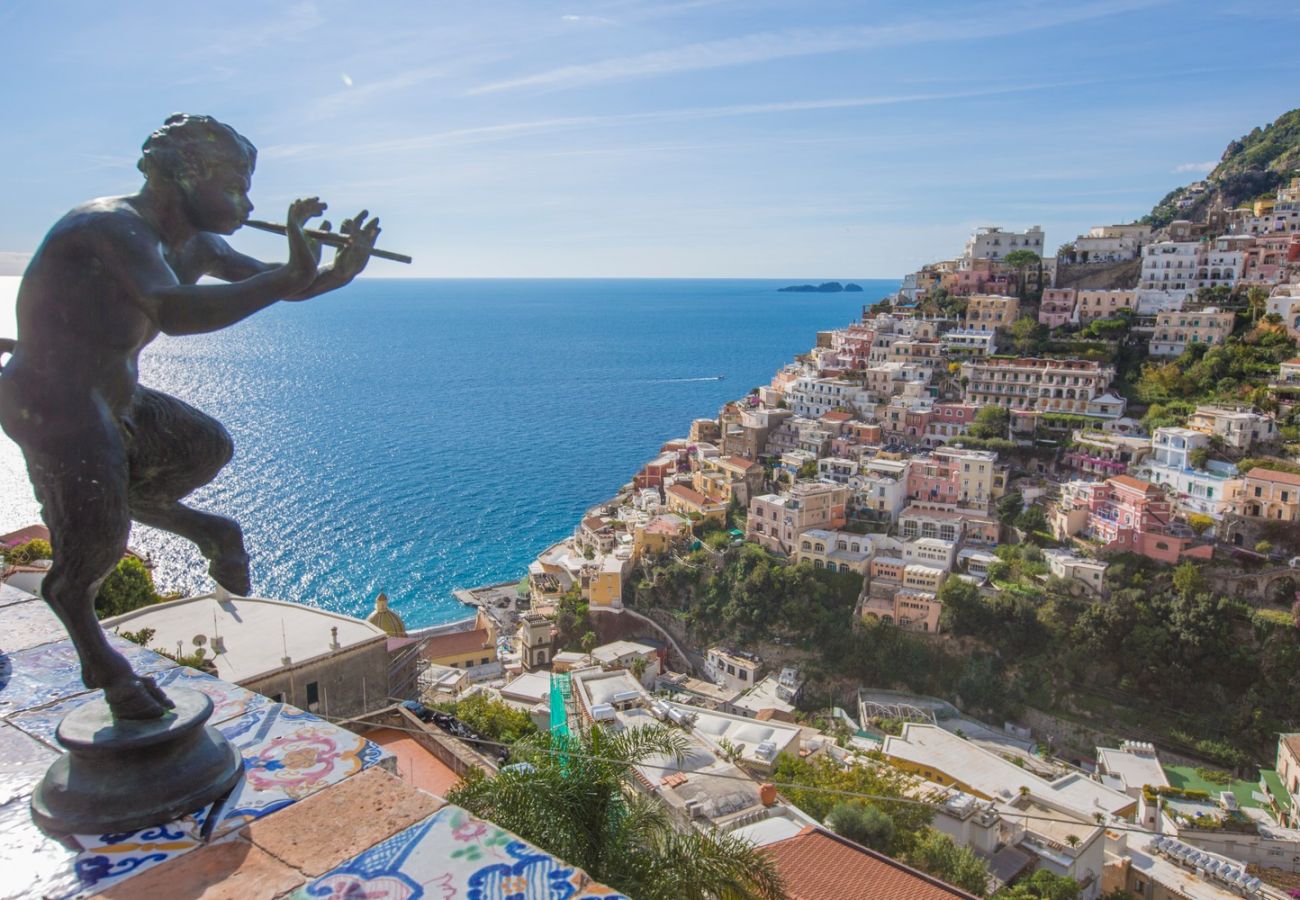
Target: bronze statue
x=102, y=450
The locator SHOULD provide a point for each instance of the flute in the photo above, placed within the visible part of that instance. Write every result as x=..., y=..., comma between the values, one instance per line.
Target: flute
x=330, y=238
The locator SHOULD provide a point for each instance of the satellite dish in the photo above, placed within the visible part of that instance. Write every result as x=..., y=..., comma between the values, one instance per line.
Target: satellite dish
x=200, y=640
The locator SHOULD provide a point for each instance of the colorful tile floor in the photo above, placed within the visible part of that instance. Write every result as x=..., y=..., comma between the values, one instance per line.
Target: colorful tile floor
x=288, y=755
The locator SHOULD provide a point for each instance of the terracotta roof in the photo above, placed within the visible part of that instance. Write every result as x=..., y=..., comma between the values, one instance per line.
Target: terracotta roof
x=1136, y=484
x=690, y=496
x=817, y=864
x=457, y=642
x=1273, y=475
x=23, y=535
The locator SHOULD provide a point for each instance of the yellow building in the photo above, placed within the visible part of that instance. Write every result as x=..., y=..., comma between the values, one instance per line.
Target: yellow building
x=464, y=649
x=987, y=312
x=1094, y=304
x=659, y=535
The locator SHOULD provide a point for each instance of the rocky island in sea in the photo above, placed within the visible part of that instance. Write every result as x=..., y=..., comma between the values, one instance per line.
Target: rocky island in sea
x=826, y=287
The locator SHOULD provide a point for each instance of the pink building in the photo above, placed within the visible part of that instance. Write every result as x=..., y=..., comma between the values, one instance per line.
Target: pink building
x=1128, y=515
x=1057, y=307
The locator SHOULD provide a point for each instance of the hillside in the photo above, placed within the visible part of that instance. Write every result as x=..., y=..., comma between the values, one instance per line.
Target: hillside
x=1251, y=166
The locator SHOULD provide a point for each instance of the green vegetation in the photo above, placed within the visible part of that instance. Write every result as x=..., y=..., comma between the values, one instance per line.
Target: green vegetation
x=129, y=586
x=1252, y=166
x=577, y=800
x=495, y=720
x=900, y=829
x=1162, y=655
x=1042, y=885
x=27, y=553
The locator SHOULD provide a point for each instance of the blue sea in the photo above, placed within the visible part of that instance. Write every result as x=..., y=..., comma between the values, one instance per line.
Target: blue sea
x=415, y=436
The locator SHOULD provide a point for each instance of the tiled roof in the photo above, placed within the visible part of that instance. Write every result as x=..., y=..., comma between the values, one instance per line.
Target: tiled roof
x=456, y=642
x=1274, y=476
x=1136, y=484
x=817, y=864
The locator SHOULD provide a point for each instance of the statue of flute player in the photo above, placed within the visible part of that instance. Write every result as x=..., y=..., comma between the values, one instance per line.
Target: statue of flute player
x=102, y=450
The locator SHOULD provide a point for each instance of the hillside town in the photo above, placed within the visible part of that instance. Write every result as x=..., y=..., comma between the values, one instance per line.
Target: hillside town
x=898, y=607
x=1000, y=409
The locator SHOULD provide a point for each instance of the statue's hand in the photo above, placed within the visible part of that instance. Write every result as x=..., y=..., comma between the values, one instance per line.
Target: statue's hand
x=303, y=256
x=351, y=259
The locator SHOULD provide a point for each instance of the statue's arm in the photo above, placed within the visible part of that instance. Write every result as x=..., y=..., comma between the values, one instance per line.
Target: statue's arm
x=134, y=259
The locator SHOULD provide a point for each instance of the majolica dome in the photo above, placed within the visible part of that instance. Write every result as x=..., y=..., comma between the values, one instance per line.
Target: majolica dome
x=386, y=619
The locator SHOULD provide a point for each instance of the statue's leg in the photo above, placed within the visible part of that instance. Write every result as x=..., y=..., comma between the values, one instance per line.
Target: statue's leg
x=80, y=479
x=174, y=449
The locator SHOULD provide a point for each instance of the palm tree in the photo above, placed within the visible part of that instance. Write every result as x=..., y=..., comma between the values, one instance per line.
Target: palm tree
x=575, y=798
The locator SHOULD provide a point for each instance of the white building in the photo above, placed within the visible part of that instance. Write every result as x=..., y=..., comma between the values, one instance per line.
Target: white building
x=991, y=242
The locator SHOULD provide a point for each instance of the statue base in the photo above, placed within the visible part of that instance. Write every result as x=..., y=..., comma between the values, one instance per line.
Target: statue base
x=121, y=775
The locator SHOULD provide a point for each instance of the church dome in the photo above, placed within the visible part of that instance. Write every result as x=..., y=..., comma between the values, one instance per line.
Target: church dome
x=386, y=619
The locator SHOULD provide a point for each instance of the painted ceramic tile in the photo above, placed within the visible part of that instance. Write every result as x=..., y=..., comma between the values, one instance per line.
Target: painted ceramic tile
x=31, y=863
x=23, y=761
x=30, y=624
x=453, y=854
x=51, y=673
x=109, y=858
x=288, y=754
x=228, y=702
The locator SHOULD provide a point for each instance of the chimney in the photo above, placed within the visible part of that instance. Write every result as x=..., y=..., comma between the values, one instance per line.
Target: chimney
x=767, y=793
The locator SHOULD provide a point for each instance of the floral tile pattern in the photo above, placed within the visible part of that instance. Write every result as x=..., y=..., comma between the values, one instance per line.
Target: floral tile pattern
x=108, y=858
x=487, y=863
x=288, y=754
x=228, y=702
x=49, y=673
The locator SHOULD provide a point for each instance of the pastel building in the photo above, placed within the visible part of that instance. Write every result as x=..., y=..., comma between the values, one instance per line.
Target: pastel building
x=776, y=521
x=954, y=475
x=989, y=312
x=1098, y=304
x=1178, y=330
x=1237, y=427
x=1208, y=490
x=1057, y=307
x=1046, y=385
x=1270, y=494
x=992, y=242
x=1124, y=514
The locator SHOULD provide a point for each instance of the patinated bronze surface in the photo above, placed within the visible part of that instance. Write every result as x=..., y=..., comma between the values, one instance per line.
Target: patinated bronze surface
x=101, y=449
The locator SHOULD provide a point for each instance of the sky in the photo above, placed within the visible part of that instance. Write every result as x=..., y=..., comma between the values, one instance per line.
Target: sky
x=637, y=138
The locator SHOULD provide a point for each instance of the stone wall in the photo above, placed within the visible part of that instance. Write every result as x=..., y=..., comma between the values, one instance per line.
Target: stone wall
x=348, y=683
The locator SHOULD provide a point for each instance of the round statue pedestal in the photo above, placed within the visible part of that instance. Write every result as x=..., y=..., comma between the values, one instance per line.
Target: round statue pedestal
x=120, y=775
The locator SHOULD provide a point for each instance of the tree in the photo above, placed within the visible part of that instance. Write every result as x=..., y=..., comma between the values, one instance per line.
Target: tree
x=576, y=799
x=1021, y=260
x=864, y=824
x=937, y=854
x=990, y=422
x=1027, y=335
x=27, y=553
x=1033, y=520
x=129, y=586
x=1010, y=506
x=1042, y=885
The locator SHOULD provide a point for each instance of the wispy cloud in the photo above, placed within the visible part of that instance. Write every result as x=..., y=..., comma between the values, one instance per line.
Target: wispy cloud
x=510, y=130
x=767, y=46
x=1201, y=167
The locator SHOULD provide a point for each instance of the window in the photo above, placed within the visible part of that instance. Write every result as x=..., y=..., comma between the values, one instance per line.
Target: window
x=313, y=696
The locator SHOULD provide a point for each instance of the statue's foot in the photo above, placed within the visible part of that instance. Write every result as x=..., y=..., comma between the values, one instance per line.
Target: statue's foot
x=230, y=570
x=137, y=698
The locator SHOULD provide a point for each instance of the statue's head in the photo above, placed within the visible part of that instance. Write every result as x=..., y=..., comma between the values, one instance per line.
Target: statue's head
x=211, y=164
